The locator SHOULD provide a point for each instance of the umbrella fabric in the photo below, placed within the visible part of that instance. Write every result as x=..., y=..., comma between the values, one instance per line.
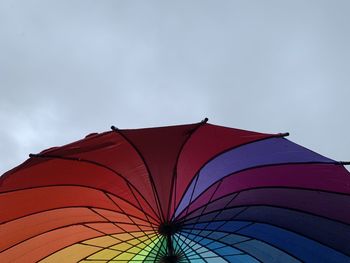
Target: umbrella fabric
x=186, y=193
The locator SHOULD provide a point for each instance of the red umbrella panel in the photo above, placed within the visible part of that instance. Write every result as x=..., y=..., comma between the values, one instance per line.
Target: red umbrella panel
x=186, y=193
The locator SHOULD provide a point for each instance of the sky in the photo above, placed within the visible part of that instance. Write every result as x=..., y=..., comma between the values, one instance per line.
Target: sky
x=70, y=68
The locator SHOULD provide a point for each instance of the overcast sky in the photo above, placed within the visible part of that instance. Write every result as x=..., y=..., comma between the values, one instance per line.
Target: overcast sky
x=69, y=68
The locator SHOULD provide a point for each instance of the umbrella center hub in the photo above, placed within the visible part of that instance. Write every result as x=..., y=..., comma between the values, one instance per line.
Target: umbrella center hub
x=169, y=259
x=168, y=228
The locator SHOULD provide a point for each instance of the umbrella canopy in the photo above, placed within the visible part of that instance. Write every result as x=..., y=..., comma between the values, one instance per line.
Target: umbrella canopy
x=186, y=193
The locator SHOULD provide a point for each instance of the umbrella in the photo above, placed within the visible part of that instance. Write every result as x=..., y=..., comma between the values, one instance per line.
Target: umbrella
x=187, y=193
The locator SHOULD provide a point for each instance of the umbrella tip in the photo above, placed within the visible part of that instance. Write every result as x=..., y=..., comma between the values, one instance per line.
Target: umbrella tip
x=32, y=155
x=205, y=120
x=284, y=134
x=344, y=163
x=113, y=128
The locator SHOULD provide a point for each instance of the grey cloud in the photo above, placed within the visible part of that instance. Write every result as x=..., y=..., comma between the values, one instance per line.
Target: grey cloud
x=68, y=68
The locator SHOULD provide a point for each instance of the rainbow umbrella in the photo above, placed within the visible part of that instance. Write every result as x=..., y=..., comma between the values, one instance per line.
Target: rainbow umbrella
x=187, y=193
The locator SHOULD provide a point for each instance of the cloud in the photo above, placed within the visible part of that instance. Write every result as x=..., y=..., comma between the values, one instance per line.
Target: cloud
x=68, y=68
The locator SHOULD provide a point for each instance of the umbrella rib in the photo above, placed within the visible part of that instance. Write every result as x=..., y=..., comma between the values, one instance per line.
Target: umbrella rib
x=265, y=223
x=59, y=185
x=228, y=233
x=174, y=176
x=231, y=199
x=94, y=163
x=138, y=208
x=244, y=170
x=185, y=247
x=61, y=227
x=77, y=224
x=235, y=194
x=105, y=234
x=80, y=224
x=211, y=197
x=159, y=249
x=154, y=242
x=155, y=193
x=198, y=218
x=108, y=247
x=51, y=230
x=243, y=252
x=151, y=253
x=189, y=248
x=264, y=205
x=146, y=215
x=155, y=251
x=223, y=245
x=152, y=239
x=222, y=152
x=127, y=251
x=65, y=207
x=285, y=251
x=129, y=218
x=178, y=249
x=250, y=238
x=270, y=187
x=182, y=249
x=114, y=222
x=216, y=228
x=192, y=193
x=88, y=245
